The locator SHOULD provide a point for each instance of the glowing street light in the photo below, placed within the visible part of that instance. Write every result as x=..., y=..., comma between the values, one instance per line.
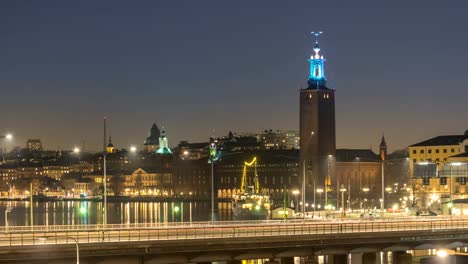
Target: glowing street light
x=9, y=136
x=296, y=194
x=442, y=253
x=133, y=149
x=76, y=150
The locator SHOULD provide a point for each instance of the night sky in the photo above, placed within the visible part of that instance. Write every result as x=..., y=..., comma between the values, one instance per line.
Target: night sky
x=198, y=66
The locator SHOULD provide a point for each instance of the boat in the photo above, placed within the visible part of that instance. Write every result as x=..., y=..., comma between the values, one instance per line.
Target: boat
x=249, y=203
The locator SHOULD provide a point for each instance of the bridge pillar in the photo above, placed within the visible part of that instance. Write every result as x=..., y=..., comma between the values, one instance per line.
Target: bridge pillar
x=369, y=258
x=356, y=258
x=311, y=260
x=401, y=257
x=337, y=259
x=286, y=261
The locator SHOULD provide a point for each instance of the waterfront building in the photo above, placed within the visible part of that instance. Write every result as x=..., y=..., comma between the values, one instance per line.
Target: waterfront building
x=317, y=126
x=149, y=181
x=431, y=168
x=277, y=172
x=34, y=145
x=358, y=175
x=192, y=178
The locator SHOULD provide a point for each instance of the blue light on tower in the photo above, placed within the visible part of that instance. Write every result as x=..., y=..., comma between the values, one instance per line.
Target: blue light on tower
x=317, y=74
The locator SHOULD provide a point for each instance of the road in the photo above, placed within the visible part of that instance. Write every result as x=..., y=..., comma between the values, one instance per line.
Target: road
x=38, y=235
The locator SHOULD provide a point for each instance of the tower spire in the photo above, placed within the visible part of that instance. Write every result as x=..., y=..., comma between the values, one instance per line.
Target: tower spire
x=383, y=148
x=317, y=78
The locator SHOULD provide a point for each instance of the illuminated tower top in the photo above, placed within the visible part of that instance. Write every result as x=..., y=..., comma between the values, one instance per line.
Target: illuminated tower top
x=163, y=144
x=317, y=78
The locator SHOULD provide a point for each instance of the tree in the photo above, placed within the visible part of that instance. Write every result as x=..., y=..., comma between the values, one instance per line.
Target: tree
x=417, y=193
x=116, y=183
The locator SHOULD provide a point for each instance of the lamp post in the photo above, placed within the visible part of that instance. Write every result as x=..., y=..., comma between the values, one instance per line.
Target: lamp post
x=320, y=191
x=8, y=137
x=296, y=195
x=104, y=209
x=342, y=190
x=360, y=182
x=44, y=239
x=451, y=182
x=213, y=158
x=7, y=210
x=365, y=190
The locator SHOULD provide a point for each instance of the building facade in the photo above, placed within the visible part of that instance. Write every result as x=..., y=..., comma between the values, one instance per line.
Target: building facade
x=151, y=143
x=438, y=167
x=279, y=139
x=34, y=145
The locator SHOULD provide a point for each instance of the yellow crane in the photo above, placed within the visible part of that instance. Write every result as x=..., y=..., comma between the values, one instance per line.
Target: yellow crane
x=243, y=186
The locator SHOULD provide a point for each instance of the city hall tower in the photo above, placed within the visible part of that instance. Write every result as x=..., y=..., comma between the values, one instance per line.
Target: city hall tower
x=317, y=131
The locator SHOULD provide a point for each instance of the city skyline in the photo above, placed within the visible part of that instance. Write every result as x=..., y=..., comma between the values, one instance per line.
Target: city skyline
x=173, y=66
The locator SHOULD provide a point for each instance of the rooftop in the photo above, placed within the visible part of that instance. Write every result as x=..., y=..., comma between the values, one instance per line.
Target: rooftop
x=442, y=141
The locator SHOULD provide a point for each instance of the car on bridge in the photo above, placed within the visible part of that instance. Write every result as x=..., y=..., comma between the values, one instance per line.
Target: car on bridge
x=425, y=213
x=369, y=215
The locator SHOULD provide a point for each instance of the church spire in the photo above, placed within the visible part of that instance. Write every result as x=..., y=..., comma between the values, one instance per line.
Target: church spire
x=317, y=78
x=383, y=148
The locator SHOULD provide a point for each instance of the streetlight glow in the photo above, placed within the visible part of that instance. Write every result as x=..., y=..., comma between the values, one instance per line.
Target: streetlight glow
x=442, y=253
x=76, y=150
x=133, y=149
x=9, y=136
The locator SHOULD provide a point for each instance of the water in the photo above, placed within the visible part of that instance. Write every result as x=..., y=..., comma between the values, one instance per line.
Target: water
x=90, y=212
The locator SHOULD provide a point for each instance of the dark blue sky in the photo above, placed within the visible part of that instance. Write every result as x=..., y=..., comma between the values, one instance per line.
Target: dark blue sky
x=195, y=66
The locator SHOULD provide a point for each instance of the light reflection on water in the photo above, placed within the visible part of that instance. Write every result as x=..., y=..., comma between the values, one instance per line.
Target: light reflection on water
x=90, y=212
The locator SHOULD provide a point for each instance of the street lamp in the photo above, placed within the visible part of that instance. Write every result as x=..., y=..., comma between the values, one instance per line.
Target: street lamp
x=360, y=182
x=76, y=150
x=451, y=182
x=8, y=137
x=320, y=191
x=213, y=157
x=133, y=149
x=327, y=179
x=365, y=190
x=7, y=210
x=44, y=239
x=296, y=194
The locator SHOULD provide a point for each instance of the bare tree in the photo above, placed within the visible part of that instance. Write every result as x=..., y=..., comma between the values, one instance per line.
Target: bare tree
x=117, y=183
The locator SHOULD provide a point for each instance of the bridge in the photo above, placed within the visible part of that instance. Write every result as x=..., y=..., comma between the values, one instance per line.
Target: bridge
x=230, y=242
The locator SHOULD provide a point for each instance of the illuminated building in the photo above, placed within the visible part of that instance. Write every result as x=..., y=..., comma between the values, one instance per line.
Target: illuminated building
x=277, y=172
x=149, y=181
x=192, y=151
x=152, y=141
x=163, y=144
x=431, y=165
x=34, y=145
x=110, y=146
x=317, y=126
x=278, y=139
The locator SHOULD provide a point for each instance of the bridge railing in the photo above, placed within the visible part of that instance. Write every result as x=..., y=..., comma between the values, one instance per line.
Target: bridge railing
x=119, y=233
